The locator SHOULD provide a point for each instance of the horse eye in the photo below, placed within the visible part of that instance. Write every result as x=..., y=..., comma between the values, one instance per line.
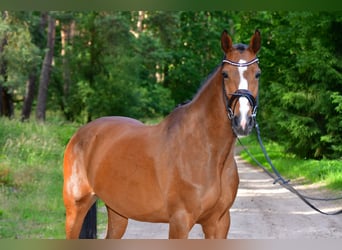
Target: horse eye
x=257, y=75
x=225, y=74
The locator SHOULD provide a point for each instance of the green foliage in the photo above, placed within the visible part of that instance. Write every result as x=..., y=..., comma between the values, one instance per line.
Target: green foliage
x=31, y=179
x=114, y=71
x=141, y=63
x=327, y=172
x=302, y=82
x=20, y=55
x=196, y=52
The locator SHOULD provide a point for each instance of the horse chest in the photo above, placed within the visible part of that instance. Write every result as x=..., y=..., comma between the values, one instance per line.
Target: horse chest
x=201, y=192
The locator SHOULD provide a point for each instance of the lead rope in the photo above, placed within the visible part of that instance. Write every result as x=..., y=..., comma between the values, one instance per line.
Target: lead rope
x=279, y=179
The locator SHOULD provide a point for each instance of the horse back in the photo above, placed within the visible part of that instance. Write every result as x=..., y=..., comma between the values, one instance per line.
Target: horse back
x=97, y=133
x=103, y=137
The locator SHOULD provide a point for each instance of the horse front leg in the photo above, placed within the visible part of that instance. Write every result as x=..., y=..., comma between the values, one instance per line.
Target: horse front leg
x=180, y=225
x=217, y=227
x=117, y=225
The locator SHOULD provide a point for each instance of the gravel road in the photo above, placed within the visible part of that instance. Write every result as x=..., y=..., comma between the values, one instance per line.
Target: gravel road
x=263, y=210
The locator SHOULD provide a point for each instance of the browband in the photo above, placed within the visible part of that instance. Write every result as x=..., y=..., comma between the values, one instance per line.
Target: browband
x=255, y=60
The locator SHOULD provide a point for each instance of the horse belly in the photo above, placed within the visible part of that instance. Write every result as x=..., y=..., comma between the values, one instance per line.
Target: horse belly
x=134, y=194
x=127, y=180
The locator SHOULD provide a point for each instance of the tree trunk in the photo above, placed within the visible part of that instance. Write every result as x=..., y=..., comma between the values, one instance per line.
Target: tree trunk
x=6, y=100
x=29, y=96
x=33, y=77
x=6, y=103
x=46, y=71
x=67, y=35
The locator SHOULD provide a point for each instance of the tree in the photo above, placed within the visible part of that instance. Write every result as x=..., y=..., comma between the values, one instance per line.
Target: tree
x=196, y=51
x=38, y=23
x=46, y=70
x=18, y=55
x=6, y=101
x=301, y=80
x=140, y=63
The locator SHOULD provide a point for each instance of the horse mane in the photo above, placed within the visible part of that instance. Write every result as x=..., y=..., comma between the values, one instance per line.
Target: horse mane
x=177, y=112
x=206, y=80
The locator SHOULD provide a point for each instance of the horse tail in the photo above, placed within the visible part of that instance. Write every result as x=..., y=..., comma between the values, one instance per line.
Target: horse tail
x=89, y=227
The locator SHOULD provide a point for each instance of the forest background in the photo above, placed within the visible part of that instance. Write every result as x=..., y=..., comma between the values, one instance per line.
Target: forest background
x=86, y=64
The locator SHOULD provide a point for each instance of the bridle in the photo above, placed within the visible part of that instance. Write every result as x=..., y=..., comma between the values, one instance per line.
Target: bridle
x=229, y=102
x=255, y=60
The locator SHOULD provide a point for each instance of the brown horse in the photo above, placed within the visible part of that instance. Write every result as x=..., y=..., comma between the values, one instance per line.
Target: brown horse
x=181, y=171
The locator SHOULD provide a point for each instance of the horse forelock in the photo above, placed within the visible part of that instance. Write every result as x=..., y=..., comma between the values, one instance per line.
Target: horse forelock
x=240, y=47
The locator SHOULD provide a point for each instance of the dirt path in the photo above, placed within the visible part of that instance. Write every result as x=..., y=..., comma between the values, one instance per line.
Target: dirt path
x=263, y=210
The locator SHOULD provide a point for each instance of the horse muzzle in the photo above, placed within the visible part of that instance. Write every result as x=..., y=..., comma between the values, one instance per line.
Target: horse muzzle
x=243, y=126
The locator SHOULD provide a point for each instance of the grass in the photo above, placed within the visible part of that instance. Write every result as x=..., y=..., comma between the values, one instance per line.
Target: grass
x=327, y=172
x=31, y=179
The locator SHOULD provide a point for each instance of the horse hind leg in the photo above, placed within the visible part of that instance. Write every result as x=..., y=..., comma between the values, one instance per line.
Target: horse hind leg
x=75, y=214
x=76, y=205
x=117, y=225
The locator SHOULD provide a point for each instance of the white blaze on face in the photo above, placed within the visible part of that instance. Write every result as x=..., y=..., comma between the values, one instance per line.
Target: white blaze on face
x=244, y=105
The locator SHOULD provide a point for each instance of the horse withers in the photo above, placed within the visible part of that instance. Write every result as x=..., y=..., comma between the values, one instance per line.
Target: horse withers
x=181, y=171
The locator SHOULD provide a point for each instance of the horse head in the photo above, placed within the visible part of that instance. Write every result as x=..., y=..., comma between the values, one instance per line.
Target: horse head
x=240, y=81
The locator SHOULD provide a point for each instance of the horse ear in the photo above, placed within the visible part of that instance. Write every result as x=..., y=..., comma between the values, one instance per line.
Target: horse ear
x=255, y=42
x=226, y=41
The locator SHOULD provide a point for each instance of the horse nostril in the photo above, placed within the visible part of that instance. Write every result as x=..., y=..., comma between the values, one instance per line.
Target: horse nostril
x=236, y=121
x=250, y=122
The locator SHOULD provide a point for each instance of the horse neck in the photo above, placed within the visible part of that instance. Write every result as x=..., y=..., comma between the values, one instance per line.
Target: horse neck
x=209, y=109
x=205, y=116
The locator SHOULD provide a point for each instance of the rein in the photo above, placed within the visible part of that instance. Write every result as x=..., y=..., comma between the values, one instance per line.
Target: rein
x=285, y=183
x=238, y=93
